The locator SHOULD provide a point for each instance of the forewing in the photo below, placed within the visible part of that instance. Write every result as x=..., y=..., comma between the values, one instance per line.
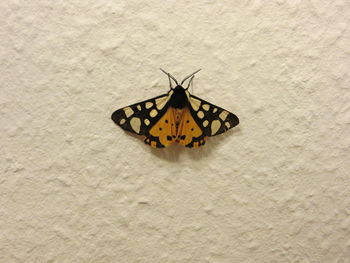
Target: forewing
x=140, y=117
x=212, y=119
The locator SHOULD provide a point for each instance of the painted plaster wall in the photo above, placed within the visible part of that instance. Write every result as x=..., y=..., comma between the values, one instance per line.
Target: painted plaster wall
x=76, y=188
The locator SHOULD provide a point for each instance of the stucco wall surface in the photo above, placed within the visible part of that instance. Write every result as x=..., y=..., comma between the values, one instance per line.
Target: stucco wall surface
x=74, y=187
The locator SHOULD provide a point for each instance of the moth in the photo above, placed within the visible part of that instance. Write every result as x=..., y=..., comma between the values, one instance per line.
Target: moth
x=175, y=117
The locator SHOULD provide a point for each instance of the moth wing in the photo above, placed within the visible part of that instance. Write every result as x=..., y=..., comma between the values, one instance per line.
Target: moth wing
x=163, y=132
x=190, y=134
x=140, y=117
x=213, y=120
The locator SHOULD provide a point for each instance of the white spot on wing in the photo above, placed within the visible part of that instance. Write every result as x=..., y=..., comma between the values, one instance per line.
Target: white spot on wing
x=205, y=123
x=227, y=124
x=122, y=121
x=149, y=104
x=161, y=102
x=215, y=125
x=153, y=113
x=135, y=124
x=146, y=121
x=223, y=115
x=215, y=110
x=139, y=107
x=200, y=114
x=195, y=103
x=205, y=107
x=128, y=111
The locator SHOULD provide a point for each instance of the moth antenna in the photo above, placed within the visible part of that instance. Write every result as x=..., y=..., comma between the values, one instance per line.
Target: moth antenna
x=189, y=83
x=170, y=84
x=169, y=75
x=190, y=76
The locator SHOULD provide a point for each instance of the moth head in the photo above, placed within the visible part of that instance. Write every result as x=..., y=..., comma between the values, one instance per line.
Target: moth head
x=179, y=86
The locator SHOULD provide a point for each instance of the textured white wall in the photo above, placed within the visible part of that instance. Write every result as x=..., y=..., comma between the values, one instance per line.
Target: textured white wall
x=76, y=188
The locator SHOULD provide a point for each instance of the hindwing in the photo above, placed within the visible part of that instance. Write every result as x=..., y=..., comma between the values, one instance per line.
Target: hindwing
x=189, y=133
x=176, y=125
x=163, y=132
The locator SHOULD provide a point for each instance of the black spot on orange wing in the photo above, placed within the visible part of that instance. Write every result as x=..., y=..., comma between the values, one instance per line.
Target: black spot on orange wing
x=153, y=142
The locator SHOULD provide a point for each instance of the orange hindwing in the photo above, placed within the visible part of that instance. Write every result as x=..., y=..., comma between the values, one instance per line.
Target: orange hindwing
x=176, y=125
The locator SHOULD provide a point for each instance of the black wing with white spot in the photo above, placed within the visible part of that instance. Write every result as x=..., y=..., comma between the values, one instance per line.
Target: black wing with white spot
x=212, y=119
x=140, y=117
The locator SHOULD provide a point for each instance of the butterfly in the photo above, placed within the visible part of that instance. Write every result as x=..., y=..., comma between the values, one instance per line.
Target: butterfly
x=175, y=117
